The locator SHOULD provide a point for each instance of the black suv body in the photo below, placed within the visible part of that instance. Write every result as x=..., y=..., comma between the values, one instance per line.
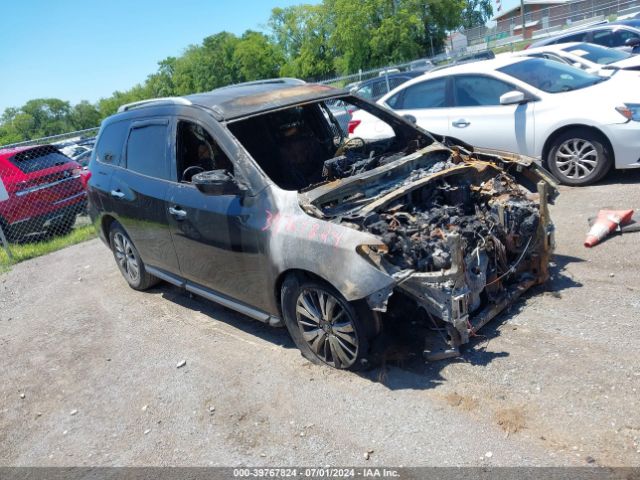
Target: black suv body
x=252, y=196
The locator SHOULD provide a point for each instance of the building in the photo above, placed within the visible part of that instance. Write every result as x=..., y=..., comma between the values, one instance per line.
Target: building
x=553, y=15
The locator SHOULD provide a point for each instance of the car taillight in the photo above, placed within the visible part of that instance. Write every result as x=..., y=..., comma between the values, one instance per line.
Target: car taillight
x=351, y=126
x=85, y=175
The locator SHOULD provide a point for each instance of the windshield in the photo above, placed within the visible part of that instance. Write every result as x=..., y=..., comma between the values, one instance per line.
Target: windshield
x=550, y=76
x=596, y=54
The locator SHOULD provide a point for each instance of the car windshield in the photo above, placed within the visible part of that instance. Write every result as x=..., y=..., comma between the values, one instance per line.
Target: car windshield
x=550, y=76
x=597, y=54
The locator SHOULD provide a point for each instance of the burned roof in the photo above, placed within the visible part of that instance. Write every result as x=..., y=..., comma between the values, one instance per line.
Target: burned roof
x=245, y=100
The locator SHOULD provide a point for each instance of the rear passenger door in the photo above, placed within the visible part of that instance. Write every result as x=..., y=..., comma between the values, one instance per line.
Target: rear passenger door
x=138, y=192
x=478, y=118
x=426, y=102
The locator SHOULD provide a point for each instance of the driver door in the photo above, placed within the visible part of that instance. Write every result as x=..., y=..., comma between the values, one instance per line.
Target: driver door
x=213, y=235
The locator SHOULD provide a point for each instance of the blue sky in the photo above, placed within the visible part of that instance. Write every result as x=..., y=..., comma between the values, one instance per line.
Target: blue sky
x=85, y=49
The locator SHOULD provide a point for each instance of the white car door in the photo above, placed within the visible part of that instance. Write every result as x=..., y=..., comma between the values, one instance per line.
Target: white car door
x=478, y=118
x=426, y=102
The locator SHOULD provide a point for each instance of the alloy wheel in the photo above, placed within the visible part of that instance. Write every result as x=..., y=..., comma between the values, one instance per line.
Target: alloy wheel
x=126, y=257
x=327, y=327
x=576, y=158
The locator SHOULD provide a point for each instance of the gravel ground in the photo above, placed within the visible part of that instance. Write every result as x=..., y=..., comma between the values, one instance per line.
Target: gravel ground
x=89, y=372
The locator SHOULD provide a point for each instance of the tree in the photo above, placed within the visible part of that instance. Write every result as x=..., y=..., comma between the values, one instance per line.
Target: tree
x=302, y=34
x=256, y=57
x=476, y=13
x=84, y=115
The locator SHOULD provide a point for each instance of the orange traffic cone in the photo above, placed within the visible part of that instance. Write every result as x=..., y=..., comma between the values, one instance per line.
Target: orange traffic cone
x=606, y=222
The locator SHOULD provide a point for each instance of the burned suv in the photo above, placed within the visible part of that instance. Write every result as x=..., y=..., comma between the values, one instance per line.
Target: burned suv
x=253, y=197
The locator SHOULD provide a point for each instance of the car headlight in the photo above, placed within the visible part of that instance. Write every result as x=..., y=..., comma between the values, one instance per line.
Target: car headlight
x=630, y=111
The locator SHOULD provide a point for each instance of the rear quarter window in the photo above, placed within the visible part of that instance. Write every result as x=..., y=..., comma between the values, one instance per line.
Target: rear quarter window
x=110, y=144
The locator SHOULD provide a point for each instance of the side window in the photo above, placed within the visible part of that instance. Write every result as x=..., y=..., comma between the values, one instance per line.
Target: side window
x=604, y=38
x=478, y=90
x=394, y=82
x=147, y=150
x=621, y=36
x=576, y=37
x=365, y=92
x=198, y=152
x=111, y=142
x=379, y=89
x=429, y=94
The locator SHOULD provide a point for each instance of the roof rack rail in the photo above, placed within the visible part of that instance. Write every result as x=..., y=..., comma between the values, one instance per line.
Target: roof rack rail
x=154, y=101
x=267, y=81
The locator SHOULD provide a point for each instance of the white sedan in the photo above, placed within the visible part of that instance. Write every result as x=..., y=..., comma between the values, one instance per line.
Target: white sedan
x=589, y=57
x=577, y=123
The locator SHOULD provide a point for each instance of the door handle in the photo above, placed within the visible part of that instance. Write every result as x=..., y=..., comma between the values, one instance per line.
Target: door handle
x=117, y=194
x=462, y=123
x=178, y=213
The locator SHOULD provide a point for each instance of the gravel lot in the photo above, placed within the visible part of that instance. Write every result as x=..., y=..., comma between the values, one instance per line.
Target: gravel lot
x=89, y=372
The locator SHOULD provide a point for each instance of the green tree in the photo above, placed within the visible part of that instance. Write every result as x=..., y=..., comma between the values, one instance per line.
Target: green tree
x=476, y=13
x=84, y=115
x=256, y=57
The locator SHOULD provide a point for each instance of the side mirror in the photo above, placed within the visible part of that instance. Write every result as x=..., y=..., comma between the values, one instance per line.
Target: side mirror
x=410, y=118
x=632, y=42
x=216, y=182
x=512, y=97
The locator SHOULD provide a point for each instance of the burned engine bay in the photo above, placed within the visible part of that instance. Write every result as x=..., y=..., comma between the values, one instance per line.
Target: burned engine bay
x=464, y=234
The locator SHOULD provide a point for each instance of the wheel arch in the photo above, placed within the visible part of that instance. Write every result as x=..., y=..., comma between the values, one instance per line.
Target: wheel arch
x=552, y=138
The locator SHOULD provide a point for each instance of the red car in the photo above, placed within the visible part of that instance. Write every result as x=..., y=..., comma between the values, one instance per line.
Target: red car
x=44, y=191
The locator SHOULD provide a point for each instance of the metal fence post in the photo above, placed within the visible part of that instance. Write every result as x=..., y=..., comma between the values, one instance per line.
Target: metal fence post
x=5, y=244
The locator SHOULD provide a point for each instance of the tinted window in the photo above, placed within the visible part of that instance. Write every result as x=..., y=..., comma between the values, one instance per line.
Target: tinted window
x=621, y=36
x=147, y=151
x=429, y=94
x=596, y=54
x=603, y=37
x=478, y=90
x=548, y=76
x=111, y=142
x=577, y=37
x=39, y=158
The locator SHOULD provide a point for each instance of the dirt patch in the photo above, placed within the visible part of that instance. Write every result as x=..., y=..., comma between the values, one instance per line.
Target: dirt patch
x=511, y=420
x=460, y=401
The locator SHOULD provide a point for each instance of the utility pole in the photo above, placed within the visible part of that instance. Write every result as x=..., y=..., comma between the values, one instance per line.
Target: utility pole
x=522, y=12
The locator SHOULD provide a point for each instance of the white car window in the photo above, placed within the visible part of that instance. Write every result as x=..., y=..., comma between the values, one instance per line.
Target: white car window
x=478, y=90
x=428, y=94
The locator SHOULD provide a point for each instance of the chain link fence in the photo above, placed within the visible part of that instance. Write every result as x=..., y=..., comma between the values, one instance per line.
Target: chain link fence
x=43, y=203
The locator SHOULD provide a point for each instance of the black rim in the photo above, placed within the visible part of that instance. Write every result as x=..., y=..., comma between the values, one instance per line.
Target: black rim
x=327, y=327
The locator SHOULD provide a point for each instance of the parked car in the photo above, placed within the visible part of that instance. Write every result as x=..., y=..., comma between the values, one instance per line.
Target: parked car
x=590, y=57
x=249, y=196
x=44, y=189
x=375, y=88
x=578, y=123
x=421, y=65
x=613, y=35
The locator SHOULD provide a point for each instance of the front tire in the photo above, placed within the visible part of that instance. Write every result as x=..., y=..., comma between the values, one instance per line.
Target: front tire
x=325, y=327
x=128, y=260
x=579, y=157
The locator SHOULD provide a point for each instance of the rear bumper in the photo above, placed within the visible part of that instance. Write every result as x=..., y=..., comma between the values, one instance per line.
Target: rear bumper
x=48, y=221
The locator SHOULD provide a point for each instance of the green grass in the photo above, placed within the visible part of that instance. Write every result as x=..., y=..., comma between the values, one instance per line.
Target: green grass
x=514, y=47
x=26, y=251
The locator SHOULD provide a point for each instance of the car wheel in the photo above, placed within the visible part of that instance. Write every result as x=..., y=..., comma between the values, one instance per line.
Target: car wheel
x=325, y=327
x=579, y=157
x=128, y=260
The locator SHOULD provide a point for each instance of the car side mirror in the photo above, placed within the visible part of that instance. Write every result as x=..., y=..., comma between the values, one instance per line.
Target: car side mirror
x=216, y=182
x=512, y=97
x=632, y=42
x=410, y=118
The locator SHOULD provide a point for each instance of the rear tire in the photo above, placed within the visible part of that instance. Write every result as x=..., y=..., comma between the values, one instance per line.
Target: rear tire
x=128, y=260
x=325, y=327
x=579, y=157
